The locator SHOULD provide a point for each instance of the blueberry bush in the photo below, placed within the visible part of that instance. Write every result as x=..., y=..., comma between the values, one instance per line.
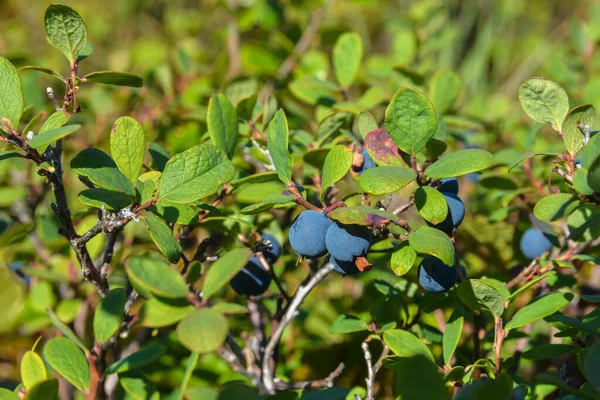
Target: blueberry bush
x=300, y=200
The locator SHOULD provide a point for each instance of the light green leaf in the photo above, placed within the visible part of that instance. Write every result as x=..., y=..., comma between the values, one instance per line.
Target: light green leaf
x=65, y=30
x=539, y=308
x=224, y=269
x=460, y=163
x=529, y=284
x=201, y=393
x=42, y=140
x=385, y=179
x=45, y=70
x=98, y=197
x=347, y=55
x=404, y=344
x=544, y=101
x=410, y=120
x=99, y=168
x=11, y=101
x=348, y=324
x=556, y=206
x=431, y=204
x=277, y=141
x=593, y=177
x=194, y=174
x=481, y=296
x=363, y=124
x=452, y=333
x=33, y=369
x=137, y=359
x=203, y=330
x=191, y=364
x=434, y=242
x=313, y=90
x=6, y=394
x=337, y=164
x=157, y=277
x=445, y=89
x=591, y=152
x=138, y=386
x=68, y=309
x=156, y=313
x=222, y=123
x=43, y=390
x=54, y=121
x=174, y=212
x=572, y=135
x=403, y=259
x=114, y=78
x=163, y=237
x=127, y=146
x=109, y=314
x=529, y=155
x=418, y=378
x=580, y=182
x=230, y=308
x=66, y=330
x=362, y=215
x=69, y=361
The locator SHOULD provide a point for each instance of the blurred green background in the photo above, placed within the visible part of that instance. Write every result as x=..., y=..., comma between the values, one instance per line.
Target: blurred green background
x=186, y=50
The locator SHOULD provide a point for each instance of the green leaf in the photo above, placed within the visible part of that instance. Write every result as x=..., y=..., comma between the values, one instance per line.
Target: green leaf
x=43, y=390
x=577, y=324
x=163, y=237
x=194, y=174
x=176, y=213
x=580, y=182
x=11, y=101
x=157, y=313
x=313, y=90
x=481, y=296
x=556, y=206
x=156, y=276
x=201, y=393
x=127, y=146
x=544, y=101
x=529, y=155
x=445, y=89
x=593, y=177
x=404, y=344
x=68, y=309
x=69, y=361
x=385, y=179
x=98, y=197
x=426, y=240
x=403, y=259
x=33, y=369
x=362, y=215
x=531, y=283
x=452, y=333
x=337, y=164
x=114, y=78
x=224, y=269
x=540, y=308
x=42, y=140
x=137, y=359
x=572, y=135
x=55, y=121
x=277, y=142
x=222, y=123
x=189, y=371
x=418, y=378
x=203, y=330
x=99, y=168
x=460, y=163
x=431, y=204
x=347, y=55
x=230, y=308
x=65, y=30
x=109, y=314
x=548, y=351
x=410, y=120
x=138, y=386
x=348, y=324
x=364, y=124
x=591, y=363
x=66, y=330
x=6, y=394
x=45, y=70
x=591, y=152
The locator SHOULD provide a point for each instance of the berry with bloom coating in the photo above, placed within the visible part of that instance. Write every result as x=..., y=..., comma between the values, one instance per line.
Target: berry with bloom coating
x=252, y=280
x=344, y=267
x=435, y=276
x=456, y=213
x=307, y=234
x=273, y=254
x=345, y=242
x=448, y=185
x=534, y=243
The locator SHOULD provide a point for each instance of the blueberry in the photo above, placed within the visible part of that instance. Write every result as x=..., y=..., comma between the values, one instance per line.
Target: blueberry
x=368, y=162
x=345, y=242
x=252, y=280
x=307, y=234
x=456, y=213
x=435, y=276
x=534, y=243
x=273, y=254
x=344, y=267
x=449, y=185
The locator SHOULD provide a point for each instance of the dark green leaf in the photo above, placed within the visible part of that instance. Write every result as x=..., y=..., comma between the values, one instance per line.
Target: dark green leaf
x=548, y=351
x=418, y=378
x=452, y=333
x=65, y=30
x=114, y=78
x=156, y=313
x=277, y=141
x=98, y=197
x=431, y=204
x=109, y=315
x=481, y=296
x=99, y=168
x=135, y=360
x=43, y=390
x=348, y=324
x=556, y=206
x=540, y=308
x=163, y=237
x=572, y=135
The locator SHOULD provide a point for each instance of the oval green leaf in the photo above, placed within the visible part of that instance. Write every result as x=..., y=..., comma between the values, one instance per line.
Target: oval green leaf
x=42, y=140
x=434, y=242
x=203, y=330
x=69, y=361
x=403, y=259
x=33, y=369
x=137, y=359
x=222, y=123
x=99, y=168
x=11, y=101
x=163, y=238
x=157, y=313
x=539, y=308
x=114, y=78
x=109, y=314
x=544, y=101
x=556, y=206
x=347, y=56
x=224, y=269
x=481, y=296
x=460, y=163
x=572, y=135
x=128, y=146
x=404, y=344
x=385, y=179
x=337, y=164
x=65, y=30
x=157, y=277
x=431, y=204
x=278, y=135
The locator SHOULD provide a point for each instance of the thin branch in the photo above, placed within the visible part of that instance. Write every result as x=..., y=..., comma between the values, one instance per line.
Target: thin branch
x=289, y=315
x=327, y=382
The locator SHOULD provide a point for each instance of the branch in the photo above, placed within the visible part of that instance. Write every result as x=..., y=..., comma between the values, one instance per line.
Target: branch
x=327, y=382
x=372, y=369
x=289, y=315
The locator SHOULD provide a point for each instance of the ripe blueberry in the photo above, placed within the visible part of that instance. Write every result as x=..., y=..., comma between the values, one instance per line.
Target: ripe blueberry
x=435, y=276
x=345, y=242
x=368, y=162
x=344, y=267
x=252, y=280
x=448, y=185
x=273, y=254
x=534, y=243
x=307, y=233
